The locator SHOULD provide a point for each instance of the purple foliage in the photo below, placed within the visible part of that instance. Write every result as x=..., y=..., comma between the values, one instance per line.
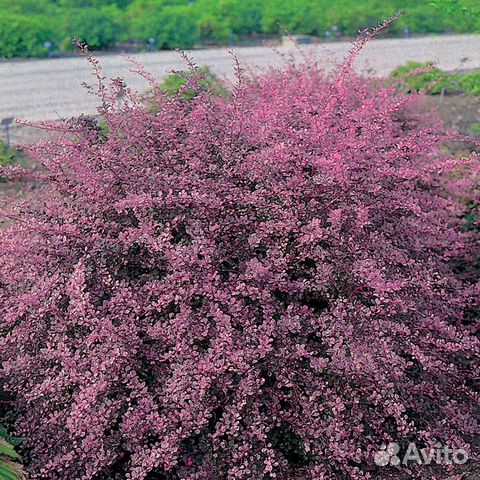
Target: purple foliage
x=264, y=286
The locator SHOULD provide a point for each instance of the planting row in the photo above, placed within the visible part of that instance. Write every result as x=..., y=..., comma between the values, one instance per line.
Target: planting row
x=31, y=28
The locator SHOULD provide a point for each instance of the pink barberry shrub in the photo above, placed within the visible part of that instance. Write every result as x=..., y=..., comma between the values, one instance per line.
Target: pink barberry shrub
x=269, y=285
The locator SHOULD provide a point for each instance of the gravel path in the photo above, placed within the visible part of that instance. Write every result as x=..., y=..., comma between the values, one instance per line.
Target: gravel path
x=52, y=89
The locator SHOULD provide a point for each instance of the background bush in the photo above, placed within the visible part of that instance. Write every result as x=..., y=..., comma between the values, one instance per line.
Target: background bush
x=424, y=77
x=7, y=154
x=177, y=84
x=170, y=25
x=98, y=27
x=180, y=23
x=22, y=36
x=228, y=19
x=299, y=16
x=273, y=283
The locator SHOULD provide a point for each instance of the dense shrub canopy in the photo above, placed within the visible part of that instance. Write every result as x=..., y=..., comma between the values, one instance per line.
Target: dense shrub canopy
x=271, y=284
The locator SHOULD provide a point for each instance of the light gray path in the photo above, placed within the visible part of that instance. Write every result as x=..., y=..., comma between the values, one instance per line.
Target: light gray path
x=52, y=89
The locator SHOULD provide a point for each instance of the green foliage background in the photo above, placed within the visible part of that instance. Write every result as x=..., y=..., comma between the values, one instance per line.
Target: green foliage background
x=25, y=25
x=7, y=156
x=10, y=466
x=424, y=77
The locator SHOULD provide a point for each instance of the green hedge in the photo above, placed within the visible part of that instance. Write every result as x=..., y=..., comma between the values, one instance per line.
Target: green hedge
x=171, y=25
x=98, y=27
x=26, y=24
x=22, y=36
